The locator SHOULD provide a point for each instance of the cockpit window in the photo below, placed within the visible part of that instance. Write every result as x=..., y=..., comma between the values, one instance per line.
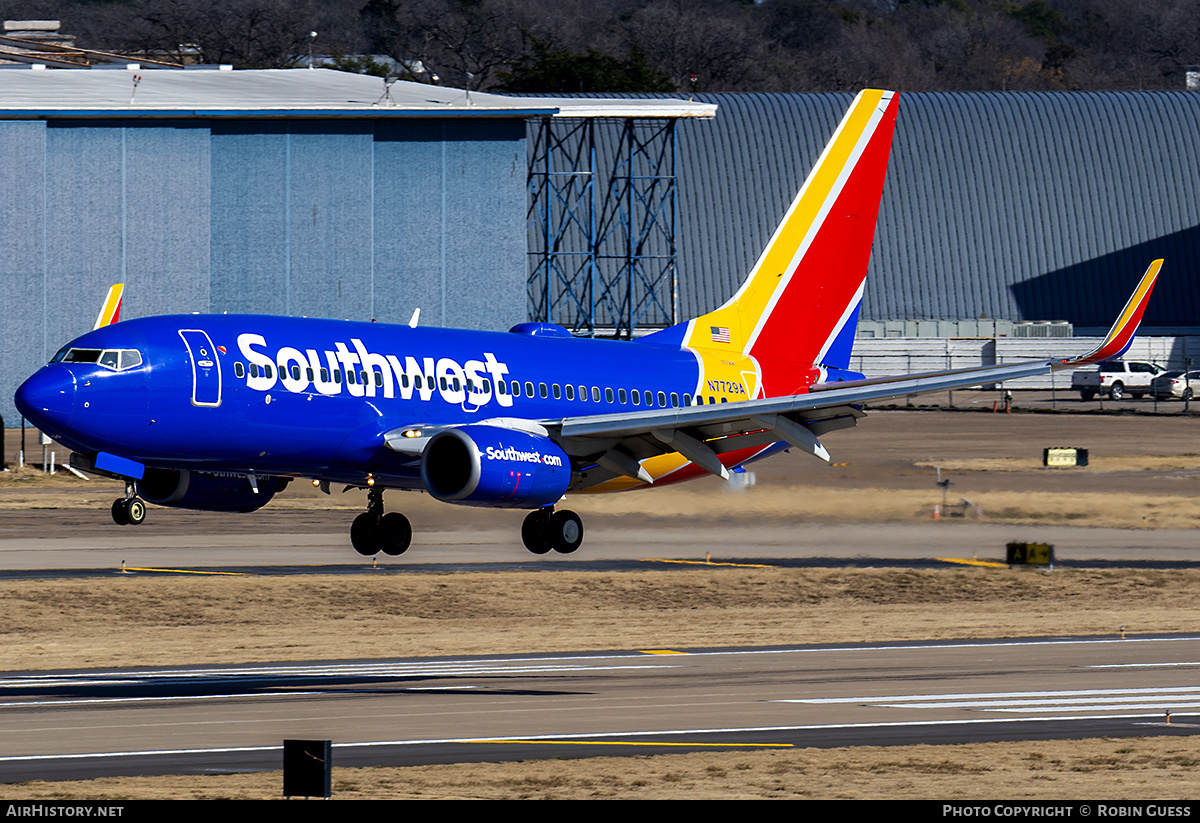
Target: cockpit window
x=115, y=359
x=82, y=356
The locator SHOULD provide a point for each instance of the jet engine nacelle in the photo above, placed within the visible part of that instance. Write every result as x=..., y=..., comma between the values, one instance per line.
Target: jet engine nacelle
x=185, y=489
x=482, y=465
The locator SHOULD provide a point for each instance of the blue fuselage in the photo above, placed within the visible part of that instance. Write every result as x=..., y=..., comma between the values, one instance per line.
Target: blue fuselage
x=314, y=398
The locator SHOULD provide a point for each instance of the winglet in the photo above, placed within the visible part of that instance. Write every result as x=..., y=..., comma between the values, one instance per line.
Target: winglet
x=1120, y=336
x=110, y=312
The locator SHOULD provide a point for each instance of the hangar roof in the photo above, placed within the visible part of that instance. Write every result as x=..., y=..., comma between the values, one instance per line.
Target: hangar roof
x=27, y=92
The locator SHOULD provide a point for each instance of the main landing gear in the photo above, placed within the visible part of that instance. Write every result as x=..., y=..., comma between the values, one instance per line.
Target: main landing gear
x=373, y=531
x=129, y=510
x=546, y=529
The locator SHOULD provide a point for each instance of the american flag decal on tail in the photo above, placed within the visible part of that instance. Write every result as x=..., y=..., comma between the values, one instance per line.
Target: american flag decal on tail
x=720, y=334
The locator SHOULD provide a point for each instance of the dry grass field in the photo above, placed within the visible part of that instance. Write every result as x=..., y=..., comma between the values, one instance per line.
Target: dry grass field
x=154, y=621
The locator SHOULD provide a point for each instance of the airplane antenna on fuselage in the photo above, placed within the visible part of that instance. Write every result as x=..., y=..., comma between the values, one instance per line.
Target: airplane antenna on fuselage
x=412, y=323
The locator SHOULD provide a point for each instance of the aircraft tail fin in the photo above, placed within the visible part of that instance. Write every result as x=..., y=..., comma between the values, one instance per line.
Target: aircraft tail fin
x=110, y=312
x=796, y=312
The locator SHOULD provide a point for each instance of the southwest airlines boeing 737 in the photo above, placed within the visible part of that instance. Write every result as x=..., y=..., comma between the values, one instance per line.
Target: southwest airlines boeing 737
x=221, y=412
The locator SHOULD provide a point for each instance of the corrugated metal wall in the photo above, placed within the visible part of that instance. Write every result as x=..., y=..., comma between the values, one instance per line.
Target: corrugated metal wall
x=329, y=218
x=1024, y=206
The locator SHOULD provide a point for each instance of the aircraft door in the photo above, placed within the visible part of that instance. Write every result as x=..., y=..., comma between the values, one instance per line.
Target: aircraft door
x=206, y=368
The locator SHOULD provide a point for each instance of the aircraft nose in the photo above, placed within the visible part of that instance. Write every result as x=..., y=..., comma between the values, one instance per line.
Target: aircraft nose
x=48, y=396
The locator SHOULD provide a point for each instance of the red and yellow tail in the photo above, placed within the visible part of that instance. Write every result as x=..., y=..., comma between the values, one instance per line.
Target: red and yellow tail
x=110, y=312
x=794, y=318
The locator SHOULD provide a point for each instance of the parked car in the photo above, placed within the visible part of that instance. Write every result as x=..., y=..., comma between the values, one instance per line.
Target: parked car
x=1176, y=383
x=1116, y=378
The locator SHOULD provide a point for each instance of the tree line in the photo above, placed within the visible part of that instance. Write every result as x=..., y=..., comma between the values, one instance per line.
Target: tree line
x=559, y=46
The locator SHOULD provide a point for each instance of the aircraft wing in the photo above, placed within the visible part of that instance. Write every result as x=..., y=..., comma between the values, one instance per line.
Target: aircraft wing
x=614, y=444
x=618, y=442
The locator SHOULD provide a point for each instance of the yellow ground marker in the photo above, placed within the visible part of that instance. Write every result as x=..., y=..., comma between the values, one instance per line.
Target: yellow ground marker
x=707, y=563
x=988, y=563
x=181, y=571
x=662, y=651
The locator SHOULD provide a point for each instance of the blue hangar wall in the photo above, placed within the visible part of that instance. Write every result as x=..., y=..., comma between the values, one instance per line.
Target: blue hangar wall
x=341, y=218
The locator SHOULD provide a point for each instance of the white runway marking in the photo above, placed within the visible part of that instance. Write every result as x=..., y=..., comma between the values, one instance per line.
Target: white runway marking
x=1081, y=700
x=1140, y=665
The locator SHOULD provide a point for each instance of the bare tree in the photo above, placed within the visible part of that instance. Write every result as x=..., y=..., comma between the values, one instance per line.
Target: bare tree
x=244, y=33
x=720, y=42
x=777, y=45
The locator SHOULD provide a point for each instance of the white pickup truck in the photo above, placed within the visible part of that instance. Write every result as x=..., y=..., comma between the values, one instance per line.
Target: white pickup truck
x=1116, y=378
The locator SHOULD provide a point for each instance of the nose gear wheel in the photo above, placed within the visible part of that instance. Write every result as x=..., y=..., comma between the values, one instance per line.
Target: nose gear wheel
x=129, y=510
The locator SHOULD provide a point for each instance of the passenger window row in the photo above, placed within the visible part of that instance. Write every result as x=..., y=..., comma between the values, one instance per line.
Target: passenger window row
x=515, y=388
x=646, y=397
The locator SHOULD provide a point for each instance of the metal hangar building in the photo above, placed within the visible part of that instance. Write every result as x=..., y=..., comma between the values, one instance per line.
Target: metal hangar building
x=298, y=192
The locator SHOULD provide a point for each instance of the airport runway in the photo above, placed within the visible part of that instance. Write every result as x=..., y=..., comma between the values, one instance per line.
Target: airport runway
x=63, y=725
x=107, y=547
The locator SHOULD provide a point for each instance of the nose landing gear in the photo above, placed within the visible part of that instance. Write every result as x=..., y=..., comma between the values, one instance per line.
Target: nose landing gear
x=546, y=529
x=129, y=510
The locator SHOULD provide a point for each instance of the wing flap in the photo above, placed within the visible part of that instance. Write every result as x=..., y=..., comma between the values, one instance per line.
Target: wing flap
x=727, y=419
x=616, y=443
